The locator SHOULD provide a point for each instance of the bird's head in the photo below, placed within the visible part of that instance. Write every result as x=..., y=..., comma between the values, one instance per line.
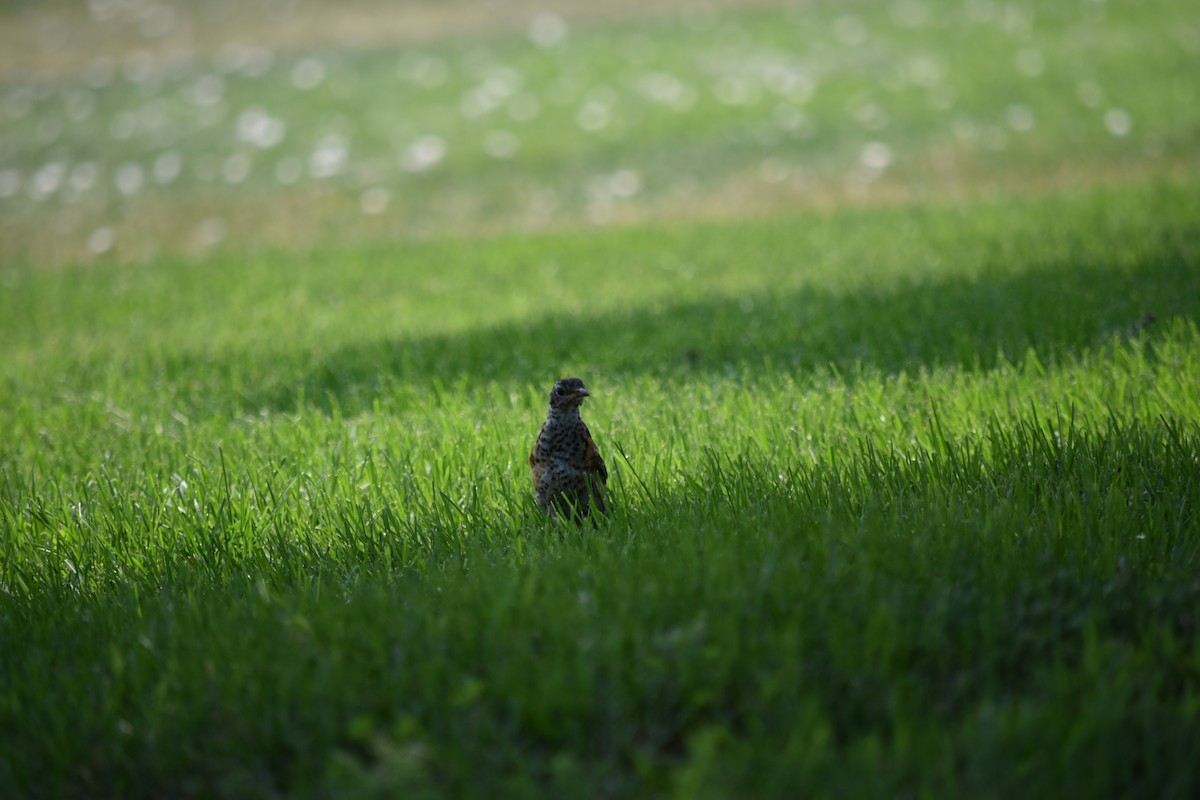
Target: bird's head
x=567, y=393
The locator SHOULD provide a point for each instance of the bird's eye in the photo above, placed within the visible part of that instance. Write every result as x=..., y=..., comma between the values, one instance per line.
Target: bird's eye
x=560, y=391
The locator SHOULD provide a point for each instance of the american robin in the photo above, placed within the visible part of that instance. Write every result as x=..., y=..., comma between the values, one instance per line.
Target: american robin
x=569, y=475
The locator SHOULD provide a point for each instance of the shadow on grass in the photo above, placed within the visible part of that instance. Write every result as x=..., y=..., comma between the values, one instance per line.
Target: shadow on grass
x=803, y=609
x=971, y=323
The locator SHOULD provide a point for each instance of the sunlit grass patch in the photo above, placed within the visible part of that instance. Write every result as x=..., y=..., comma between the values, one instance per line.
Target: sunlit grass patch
x=903, y=500
x=728, y=112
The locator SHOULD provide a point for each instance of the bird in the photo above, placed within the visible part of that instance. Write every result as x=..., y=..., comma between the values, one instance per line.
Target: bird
x=569, y=476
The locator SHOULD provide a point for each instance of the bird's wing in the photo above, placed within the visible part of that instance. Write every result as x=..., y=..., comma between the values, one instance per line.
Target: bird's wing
x=536, y=442
x=591, y=457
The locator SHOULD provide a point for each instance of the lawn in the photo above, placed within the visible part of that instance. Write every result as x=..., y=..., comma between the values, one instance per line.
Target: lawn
x=901, y=412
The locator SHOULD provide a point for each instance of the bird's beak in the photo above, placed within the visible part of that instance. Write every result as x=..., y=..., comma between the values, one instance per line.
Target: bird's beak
x=582, y=393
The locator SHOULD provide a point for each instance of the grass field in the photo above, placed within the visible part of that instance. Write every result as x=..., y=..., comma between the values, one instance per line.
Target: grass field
x=901, y=409
x=213, y=132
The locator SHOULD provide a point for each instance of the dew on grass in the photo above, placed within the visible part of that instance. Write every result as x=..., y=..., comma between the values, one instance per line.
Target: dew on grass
x=734, y=36
x=624, y=183
x=329, y=157
x=501, y=144
x=660, y=87
x=599, y=210
x=993, y=137
x=773, y=170
x=157, y=21
x=49, y=130
x=602, y=190
x=207, y=90
x=425, y=153
x=1090, y=94
x=99, y=72
x=547, y=30
x=205, y=167
x=1020, y=118
x=257, y=127
x=1188, y=38
x=788, y=81
x=965, y=129
x=639, y=50
x=138, y=67
x=787, y=117
x=524, y=107
x=1093, y=11
x=129, y=178
x=597, y=188
x=101, y=240
x=564, y=90
x=1017, y=19
x=499, y=85
x=940, y=98
x=288, y=170
x=153, y=87
x=253, y=61
x=236, y=168
x=924, y=71
x=850, y=30
x=871, y=116
x=858, y=180
x=375, y=200
x=543, y=203
x=18, y=102
x=474, y=104
x=103, y=10
x=83, y=177
x=501, y=81
x=1030, y=62
x=981, y=12
x=229, y=57
x=909, y=14
x=733, y=90
x=47, y=180
x=804, y=89
x=210, y=116
x=307, y=73
x=666, y=89
x=10, y=183
x=427, y=72
x=478, y=102
x=79, y=105
x=152, y=116
x=1118, y=122
x=167, y=167
x=211, y=232
x=593, y=116
x=701, y=19
x=602, y=95
x=875, y=156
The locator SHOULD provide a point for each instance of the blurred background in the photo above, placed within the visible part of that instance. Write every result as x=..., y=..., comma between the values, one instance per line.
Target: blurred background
x=134, y=129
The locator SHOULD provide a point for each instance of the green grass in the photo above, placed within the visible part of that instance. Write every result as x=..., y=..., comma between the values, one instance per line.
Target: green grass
x=904, y=445
x=693, y=115
x=904, y=501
